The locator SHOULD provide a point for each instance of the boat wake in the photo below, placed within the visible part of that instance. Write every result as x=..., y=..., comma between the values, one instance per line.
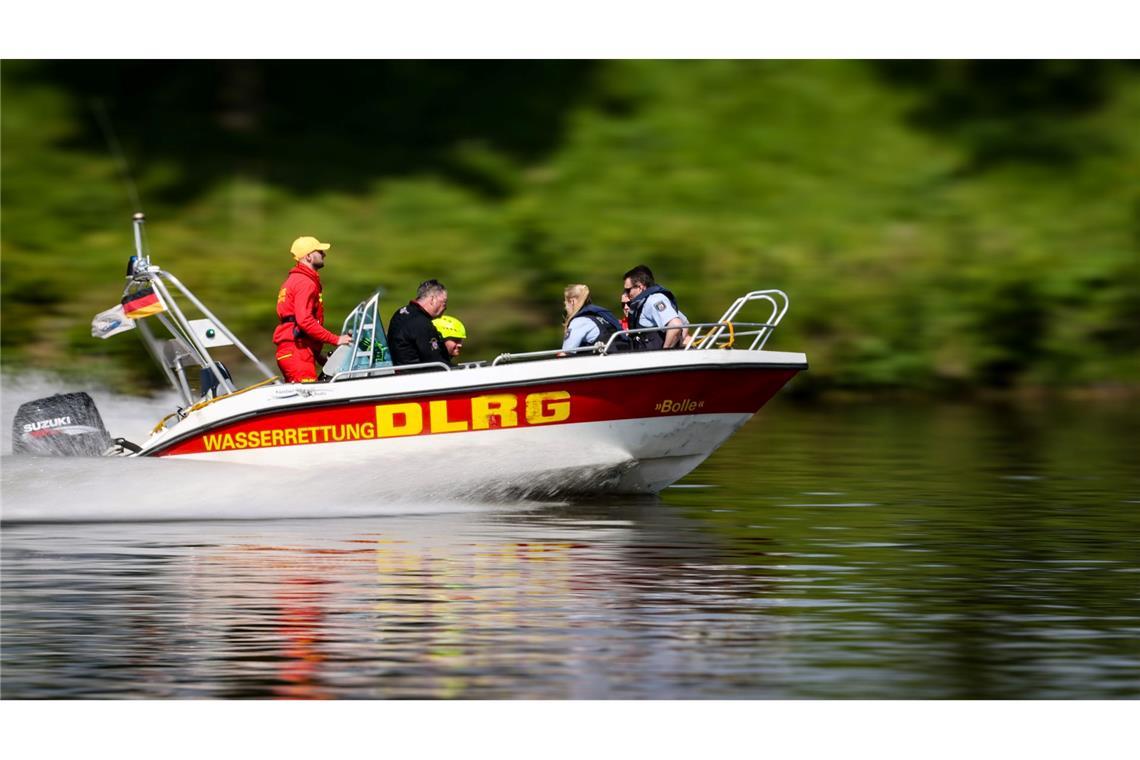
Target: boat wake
x=79, y=489
x=82, y=489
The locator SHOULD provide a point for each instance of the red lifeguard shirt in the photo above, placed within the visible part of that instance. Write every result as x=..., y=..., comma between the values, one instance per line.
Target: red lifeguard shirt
x=300, y=298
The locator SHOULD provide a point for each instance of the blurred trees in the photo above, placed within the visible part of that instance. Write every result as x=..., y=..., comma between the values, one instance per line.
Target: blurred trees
x=938, y=225
x=1007, y=111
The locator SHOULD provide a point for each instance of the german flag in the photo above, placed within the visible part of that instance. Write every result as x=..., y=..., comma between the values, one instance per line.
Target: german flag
x=142, y=303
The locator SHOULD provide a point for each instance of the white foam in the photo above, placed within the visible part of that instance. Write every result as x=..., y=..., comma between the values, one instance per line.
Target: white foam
x=130, y=417
x=114, y=489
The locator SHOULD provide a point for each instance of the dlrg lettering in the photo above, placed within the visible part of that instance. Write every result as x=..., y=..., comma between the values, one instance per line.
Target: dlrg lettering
x=485, y=413
x=394, y=420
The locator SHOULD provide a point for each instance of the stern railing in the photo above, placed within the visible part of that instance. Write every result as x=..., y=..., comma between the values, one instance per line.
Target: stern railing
x=777, y=298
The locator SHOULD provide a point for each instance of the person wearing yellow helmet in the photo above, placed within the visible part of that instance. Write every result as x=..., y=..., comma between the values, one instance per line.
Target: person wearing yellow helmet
x=453, y=333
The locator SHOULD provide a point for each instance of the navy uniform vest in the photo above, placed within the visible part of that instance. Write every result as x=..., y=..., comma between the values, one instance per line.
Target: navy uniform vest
x=605, y=320
x=647, y=341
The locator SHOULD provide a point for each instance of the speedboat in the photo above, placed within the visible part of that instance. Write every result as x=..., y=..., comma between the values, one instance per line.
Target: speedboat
x=601, y=420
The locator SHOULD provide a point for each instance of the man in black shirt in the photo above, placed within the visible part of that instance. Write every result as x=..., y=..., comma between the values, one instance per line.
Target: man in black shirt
x=412, y=337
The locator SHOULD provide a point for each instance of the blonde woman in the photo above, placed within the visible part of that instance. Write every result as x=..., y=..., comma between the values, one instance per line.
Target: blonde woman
x=586, y=324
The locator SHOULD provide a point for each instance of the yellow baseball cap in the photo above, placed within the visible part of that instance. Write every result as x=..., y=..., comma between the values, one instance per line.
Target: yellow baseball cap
x=303, y=246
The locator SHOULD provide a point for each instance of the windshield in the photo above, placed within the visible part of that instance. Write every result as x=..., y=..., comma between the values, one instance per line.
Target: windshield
x=369, y=347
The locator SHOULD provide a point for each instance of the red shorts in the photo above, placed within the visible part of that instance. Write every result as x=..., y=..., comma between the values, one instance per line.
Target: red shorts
x=297, y=363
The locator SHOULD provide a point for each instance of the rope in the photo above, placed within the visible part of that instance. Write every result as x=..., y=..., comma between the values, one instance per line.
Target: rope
x=706, y=341
x=731, y=337
x=162, y=423
x=206, y=402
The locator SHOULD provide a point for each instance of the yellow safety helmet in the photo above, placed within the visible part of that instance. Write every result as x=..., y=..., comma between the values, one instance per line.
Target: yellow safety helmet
x=450, y=327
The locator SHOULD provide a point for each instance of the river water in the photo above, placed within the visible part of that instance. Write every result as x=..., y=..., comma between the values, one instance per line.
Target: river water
x=901, y=551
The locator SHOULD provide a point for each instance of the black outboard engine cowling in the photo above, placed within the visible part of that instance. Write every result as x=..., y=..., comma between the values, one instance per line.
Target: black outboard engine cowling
x=66, y=424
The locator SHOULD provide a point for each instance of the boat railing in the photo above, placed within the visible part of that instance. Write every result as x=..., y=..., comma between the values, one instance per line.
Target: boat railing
x=725, y=333
x=735, y=330
x=187, y=345
x=778, y=299
x=386, y=371
x=547, y=354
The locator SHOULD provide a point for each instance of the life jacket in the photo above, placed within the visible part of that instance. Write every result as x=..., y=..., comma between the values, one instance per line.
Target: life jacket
x=302, y=326
x=607, y=323
x=647, y=341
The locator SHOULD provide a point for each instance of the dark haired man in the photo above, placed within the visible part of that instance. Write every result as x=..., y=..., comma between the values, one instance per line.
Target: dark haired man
x=651, y=305
x=412, y=337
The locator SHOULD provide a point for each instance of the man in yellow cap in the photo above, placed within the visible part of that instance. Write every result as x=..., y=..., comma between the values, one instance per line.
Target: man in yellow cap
x=300, y=333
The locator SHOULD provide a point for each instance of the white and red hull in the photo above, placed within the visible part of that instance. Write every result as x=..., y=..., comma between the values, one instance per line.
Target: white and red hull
x=625, y=423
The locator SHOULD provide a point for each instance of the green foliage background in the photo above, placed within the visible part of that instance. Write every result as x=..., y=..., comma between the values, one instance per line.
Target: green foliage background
x=938, y=226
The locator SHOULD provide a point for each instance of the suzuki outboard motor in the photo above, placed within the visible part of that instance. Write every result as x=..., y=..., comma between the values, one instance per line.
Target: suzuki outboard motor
x=66, y=424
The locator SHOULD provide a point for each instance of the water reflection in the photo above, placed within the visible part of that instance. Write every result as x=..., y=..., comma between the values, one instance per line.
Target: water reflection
x=945, y=552
x=539, y=604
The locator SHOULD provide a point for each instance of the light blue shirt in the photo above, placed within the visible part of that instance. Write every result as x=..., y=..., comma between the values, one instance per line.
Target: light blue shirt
x=658, y=311
x=582, y=331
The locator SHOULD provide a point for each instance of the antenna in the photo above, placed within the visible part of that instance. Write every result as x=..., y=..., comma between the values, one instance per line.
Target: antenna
x=141, y=260
x=116, y=151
